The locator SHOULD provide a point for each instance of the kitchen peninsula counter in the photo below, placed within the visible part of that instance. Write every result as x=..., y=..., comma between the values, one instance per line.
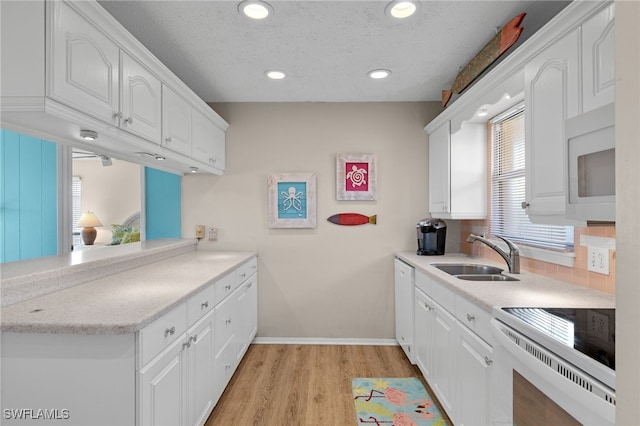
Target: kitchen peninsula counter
x=532, y=290
x=122, y=302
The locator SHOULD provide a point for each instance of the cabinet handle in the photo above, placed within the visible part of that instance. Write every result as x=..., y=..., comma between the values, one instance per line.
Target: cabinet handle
x=205, y=305
x=250, y=285
x=227, y=287
x=488, y=360
x=524, y=204
x=170, y=331
x=227, y=366
x=117, y=114
x=193, y=339
x=429, y=307
x=470, y=317
x=129, y=120
x=185, y=345
x=243, y=275
x=168, y=140
x=228, y=321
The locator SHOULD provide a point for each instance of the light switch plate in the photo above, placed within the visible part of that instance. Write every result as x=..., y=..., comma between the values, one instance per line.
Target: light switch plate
x=598, y=260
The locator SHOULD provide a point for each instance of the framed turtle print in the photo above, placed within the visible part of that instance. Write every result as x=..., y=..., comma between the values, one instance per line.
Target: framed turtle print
x=356, y=177
x=292, y=200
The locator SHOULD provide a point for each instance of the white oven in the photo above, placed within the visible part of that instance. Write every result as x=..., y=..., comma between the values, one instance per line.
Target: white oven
x=591, y=169
x=540, y=380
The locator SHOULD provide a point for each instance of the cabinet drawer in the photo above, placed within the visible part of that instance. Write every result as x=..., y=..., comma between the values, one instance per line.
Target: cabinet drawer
x=200, y=304
x=246, y=270
x=423, y=282
x=162, y=332
x=441, y=294
x=224, y=287
x=224, y=319
x=474, y=318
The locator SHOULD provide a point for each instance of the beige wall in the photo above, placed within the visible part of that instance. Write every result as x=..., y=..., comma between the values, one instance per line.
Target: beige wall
x=627, y=208
x=112, y=193
x=331, y=281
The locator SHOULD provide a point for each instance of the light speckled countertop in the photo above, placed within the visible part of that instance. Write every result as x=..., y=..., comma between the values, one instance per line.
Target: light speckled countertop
x=532, y=290
x=124, y=302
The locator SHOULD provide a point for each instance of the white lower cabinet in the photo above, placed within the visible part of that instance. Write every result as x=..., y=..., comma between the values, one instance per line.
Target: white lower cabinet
x=404, y=307
x=452, y=357
x=200, y=376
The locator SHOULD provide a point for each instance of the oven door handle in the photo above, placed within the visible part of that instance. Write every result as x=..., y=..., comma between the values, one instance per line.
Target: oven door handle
x=541, y=368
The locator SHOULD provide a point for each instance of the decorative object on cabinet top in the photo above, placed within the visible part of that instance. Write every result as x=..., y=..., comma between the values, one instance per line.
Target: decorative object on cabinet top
x=499, y=44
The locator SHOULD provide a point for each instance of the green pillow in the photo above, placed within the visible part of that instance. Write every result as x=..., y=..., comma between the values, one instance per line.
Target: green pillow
x=124, y=234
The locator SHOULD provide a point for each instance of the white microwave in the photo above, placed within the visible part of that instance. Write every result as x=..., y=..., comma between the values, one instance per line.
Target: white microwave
x=591, y=149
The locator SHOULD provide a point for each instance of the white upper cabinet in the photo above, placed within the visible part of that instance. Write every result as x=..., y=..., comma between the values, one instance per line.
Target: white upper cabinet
x=85, y=65
x=82, y=70
x=439, y=170
x=598, y=58
x=208, y=142
x=458, y=172
x=176, y=122
x=141, y=101
x=572, y=76
x=552, y=88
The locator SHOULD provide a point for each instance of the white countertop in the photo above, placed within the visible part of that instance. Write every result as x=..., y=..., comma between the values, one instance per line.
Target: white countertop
x=124, y=302
x=532, y=290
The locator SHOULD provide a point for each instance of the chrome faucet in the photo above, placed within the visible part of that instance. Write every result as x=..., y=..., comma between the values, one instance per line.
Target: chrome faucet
x=512, y=259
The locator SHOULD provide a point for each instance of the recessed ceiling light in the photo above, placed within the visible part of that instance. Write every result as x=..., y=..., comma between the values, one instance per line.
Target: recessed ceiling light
x=193, y=169
x=379, y=74
x=482, y=112
x=401, y=9
x=255, y=9
x=275, y=74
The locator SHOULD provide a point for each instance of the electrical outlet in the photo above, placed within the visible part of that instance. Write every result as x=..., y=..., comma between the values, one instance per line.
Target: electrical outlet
x=598, y=260
x=213, y=234
x=199, y=231
x=598, y=325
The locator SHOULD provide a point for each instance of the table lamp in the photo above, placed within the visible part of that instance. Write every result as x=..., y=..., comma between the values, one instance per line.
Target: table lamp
x=88, y=221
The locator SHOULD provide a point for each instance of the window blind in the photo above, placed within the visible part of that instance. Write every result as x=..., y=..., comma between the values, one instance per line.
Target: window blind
x=508, y=218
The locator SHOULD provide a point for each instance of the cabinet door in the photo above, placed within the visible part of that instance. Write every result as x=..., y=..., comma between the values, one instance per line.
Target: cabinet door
x=404, y=306
x=208, y=141
x=141, y=100
x=224, y=366
x=439, y=170
x=551, y=96
x=474, y=379
x=83, y=65
x=247, y=317
x=423, y=333
x=176, y=122
x=598, y=59
x=443, y=371
x=200, y=371
x=162, y=388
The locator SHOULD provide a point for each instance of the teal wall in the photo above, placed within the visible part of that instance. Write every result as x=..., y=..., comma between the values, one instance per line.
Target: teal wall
x=163, y=204
x=28, y=197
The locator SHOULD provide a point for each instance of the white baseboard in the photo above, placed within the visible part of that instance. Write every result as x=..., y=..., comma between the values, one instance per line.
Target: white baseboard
x=323, y=341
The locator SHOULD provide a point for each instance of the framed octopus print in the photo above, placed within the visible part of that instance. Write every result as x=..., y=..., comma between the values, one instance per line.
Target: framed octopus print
x=292, y=200
x=356, y=177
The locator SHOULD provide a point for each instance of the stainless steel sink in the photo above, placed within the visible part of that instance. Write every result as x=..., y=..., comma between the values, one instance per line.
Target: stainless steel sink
x=467, y=269
x=474, y=272
x=486, y=277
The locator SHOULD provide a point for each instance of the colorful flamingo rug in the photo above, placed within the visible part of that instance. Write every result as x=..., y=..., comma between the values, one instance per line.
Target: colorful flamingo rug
x=396, y=402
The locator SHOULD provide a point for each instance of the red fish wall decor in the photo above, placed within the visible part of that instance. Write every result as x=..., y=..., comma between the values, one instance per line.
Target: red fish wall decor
x=350, y=219
x=499, y=44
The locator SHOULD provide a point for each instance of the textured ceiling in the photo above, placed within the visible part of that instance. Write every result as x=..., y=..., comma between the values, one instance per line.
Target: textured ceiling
x=325, y=47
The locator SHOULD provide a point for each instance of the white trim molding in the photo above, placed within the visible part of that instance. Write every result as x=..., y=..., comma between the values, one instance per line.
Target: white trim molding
x=323, y=341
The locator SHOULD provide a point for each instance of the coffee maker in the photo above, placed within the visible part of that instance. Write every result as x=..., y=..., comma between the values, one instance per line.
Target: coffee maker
x=431, y=235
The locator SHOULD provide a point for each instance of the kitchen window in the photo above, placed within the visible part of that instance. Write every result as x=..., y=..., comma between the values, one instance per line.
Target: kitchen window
x=508, y=218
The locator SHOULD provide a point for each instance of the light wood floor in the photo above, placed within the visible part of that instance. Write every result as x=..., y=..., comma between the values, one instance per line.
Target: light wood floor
x=303, y=385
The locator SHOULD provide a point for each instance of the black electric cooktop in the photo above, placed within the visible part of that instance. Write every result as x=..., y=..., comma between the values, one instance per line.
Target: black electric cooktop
x=590, y=331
